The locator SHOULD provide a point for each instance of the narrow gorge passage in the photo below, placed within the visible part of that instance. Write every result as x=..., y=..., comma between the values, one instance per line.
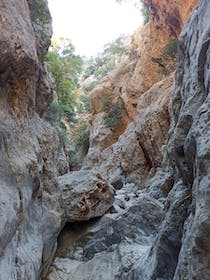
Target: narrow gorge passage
x=88, y=250
x=104, y=160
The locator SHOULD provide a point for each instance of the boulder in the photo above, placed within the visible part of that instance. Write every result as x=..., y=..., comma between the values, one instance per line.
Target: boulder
x=85, y=195
x=109, y=247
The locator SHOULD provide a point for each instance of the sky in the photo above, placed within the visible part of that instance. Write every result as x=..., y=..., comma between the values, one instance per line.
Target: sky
x=90, y=24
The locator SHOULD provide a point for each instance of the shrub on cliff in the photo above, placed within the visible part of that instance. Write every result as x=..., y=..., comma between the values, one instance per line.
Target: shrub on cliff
x=84, y=106
x=113, y=113
x=170, y=50
x=57, y=111
x=39, y=11
x=168, y=59
x=80, y=135
x=145, y=13
x=102, y=64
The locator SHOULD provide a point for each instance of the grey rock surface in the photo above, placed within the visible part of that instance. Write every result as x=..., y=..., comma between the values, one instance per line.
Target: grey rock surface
x=158, y=228
x=189, y=145
x=85, y=195
x=108, y=248
x=181, y=250
x=31, y=212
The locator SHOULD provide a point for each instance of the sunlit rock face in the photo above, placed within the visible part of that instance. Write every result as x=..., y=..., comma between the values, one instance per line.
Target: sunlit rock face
x=157, y=227
x=147, y=49
x=85, y=195
x=137, y=153
x=149, y=59
x=144, y=64
x=177, y=196
x=181, y=250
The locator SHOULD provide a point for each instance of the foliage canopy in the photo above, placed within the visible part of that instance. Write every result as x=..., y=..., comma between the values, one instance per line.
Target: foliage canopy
x=65, y=67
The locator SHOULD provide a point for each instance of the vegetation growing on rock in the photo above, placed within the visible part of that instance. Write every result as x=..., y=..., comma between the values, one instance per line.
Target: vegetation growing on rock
x=113, y=113
x=145, y=13
x=64, y=67
x=168, y=59
x=81, y=134
x=40, y=11
x=74, y=80
x=99, y=66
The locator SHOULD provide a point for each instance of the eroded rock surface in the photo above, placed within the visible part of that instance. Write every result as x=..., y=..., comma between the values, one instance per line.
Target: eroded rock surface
x=85, y=195
x=158, y=227
x=144, y=64
x=181, y=250
x=108, y=248
x=137, y=153
x=31, y=213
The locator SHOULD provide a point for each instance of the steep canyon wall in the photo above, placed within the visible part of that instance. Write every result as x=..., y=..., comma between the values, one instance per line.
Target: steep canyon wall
x=32, y=198
x=156, y=162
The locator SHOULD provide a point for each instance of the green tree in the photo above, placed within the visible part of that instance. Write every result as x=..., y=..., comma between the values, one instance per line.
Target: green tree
x=102, y=64
x=65, y=67
x=145, y=13
x=81, y=135
x=168, y=59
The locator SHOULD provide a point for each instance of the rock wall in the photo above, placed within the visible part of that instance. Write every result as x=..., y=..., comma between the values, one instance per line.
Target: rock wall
x=29, y=204
x=188, y=144
x=181, y=250
x=144, y=64
x=32, y=201
x=137, y=153
x=158, y=226
x=179, y=191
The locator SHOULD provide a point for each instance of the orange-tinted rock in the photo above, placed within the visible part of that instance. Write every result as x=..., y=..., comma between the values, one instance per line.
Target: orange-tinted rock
x=152, y=121
x=101, y=134
x=144, y=64
x=147, y=48
x=137, y=153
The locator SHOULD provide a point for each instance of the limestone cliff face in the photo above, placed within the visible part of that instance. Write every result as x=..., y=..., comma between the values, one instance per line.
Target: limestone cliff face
x=167, y=19
x=188, y=144
x=137, y=153
x=174, y=245
x=31, y=196
x=102, y=136
x=28, y=171
x=183, y=241
x=172, y=14
x=158, y=226
x=145, y=63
